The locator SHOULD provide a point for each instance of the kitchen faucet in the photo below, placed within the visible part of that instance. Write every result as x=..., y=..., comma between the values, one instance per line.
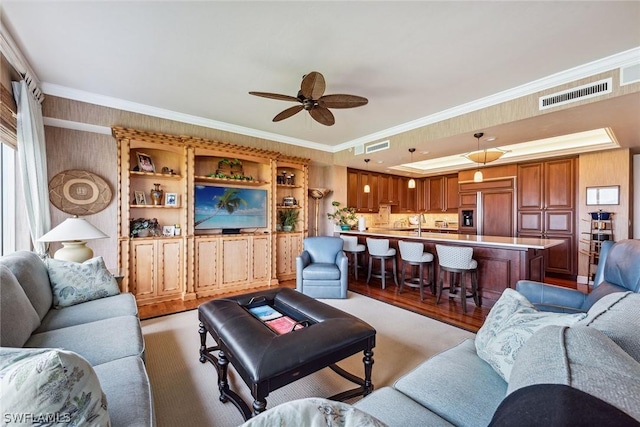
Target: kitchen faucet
x=420, y=219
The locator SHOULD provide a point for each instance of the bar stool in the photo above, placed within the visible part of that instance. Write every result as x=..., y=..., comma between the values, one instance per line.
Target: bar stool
x=379, y=249
x=352, y=247
x=413, y=253
x=458, y=260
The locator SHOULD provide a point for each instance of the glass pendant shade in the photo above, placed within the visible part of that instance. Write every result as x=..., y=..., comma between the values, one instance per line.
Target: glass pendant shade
x=485, y=156
x=367, y=189
x=412, y=183
x=477, y=177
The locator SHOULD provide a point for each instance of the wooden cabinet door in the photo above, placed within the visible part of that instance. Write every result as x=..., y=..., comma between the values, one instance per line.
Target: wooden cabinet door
x=559, y=183
x=142, y=268
x=235, y=261
x=206, y=267
x=354, y=190
x=169, y=262
x=497, y=213
x=384, y=188
x=452, y=193
x=260, y=258
x=562, y=258
x=436, y=194
x=394, y=190
x=289, y=246
x=412, y=197
x=369, y=201
x=530, y=186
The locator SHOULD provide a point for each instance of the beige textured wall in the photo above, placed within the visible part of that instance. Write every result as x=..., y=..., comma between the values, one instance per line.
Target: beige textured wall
x=613, y=167
x=70, y=149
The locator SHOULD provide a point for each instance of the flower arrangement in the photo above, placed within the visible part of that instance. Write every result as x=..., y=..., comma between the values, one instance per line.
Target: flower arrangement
x=345, y=216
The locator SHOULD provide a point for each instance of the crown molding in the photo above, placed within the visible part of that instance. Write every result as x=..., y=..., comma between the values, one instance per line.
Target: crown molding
x=599, y=66
x=134, y=107
x=602, y=65
x=83, y=127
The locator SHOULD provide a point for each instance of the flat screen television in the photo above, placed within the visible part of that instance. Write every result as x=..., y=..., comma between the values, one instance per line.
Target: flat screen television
x=218, y=207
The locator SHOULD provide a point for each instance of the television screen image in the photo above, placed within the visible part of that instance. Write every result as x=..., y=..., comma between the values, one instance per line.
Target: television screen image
x=219, y=207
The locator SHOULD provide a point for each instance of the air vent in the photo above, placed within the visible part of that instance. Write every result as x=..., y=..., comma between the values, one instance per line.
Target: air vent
x=576, y=94
x=630, y=74
x=379, y=146
x=358, y=150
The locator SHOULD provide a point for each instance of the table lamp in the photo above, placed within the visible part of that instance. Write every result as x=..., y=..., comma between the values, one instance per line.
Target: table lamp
x=73, y=233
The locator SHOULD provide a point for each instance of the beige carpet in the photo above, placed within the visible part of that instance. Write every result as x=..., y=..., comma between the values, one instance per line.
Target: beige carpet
x=185, y=391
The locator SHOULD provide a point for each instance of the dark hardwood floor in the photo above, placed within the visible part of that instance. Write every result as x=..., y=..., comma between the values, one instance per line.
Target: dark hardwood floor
x=447, y=311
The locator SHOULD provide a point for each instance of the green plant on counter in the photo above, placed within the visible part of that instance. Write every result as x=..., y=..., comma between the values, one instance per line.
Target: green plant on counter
x=342, y=216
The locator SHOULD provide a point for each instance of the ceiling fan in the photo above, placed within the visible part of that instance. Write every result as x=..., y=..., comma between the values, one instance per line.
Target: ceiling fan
x=312, y=99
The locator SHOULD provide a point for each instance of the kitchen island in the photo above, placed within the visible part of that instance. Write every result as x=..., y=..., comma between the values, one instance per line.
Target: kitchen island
x=502, y=261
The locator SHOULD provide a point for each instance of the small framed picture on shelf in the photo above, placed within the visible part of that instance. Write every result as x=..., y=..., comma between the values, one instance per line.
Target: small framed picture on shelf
x=140, y=198
x=168, y=230
x=145, y=163
x=171, y=199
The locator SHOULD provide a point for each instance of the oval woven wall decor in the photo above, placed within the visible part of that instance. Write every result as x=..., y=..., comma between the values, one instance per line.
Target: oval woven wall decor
x=79, y=192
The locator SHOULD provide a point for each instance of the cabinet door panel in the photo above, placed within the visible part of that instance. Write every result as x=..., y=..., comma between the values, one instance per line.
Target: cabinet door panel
x=235, y=258
x=436, y=194
x=206, y=264
x=170, y=267
x=260, y=255
x=497, y=213
x=353, y=189
x=142, y=270
x=468, y=200
x=559, y=184
x=530, y=188
x=559, y=222
x=452, y=193
x=561, y=258
x=530, y=222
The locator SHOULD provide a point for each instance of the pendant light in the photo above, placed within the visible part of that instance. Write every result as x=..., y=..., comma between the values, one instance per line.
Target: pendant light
x=477, y=177
x=367, y=189
x=412, y=182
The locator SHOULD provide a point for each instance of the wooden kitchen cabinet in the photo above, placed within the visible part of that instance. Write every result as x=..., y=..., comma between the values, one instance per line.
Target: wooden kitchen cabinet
x=441, y=194
x=546, y=209
x=156, y=268
x=289, y=246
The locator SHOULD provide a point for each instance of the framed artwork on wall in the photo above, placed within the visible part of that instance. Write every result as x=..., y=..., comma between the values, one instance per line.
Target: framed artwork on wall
x=609, y=195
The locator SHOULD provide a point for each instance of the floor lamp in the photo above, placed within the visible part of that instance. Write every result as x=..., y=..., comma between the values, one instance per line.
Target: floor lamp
x=317, y=194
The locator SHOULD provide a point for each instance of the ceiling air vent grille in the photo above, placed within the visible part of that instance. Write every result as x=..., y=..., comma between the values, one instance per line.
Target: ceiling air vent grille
x=576, y=94
x=379, y=146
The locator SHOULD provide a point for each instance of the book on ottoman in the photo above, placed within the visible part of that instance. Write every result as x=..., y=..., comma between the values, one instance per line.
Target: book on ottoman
x=284, y=324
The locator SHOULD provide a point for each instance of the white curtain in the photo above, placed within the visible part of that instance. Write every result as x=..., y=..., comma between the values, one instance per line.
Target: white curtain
x=32, y=158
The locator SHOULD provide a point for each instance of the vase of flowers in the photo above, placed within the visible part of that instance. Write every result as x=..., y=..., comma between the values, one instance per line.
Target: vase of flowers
x=345, y=216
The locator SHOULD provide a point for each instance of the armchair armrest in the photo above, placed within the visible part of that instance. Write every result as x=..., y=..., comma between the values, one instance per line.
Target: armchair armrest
x=552, y=298
x=302, y=260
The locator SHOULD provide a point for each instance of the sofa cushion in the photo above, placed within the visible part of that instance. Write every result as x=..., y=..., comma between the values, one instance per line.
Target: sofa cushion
x=583, y=358
x=126, y=385
x=32, y=276
x=618, y=317
x=90, y=311
x=18, y=318
x=397, y=410
x=456, y=375
x=314, y=412
x=557, y=405
x=74, y=283
x=99, y=342
x=510, y=323
x=46, y=383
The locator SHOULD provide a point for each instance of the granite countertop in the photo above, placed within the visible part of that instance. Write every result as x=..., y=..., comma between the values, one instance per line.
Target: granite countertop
x=465, y=239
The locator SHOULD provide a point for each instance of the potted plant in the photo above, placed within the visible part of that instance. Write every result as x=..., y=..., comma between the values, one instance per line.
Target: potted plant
x=288, y=218
x=345, y=217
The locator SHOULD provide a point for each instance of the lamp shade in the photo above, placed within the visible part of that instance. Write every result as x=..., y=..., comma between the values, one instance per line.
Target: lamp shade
x=485, y=156
x=477, y=177
x=73, y=229
x=412, y=183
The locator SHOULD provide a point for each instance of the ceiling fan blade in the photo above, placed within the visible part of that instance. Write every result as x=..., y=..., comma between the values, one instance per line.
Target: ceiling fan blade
x=342, y=101
x=275, y=96
x=322, y=115
x=313, y=85
x=288, y=113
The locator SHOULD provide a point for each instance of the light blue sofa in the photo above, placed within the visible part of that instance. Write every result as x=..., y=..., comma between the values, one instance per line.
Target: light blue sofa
x=458, y=388
x=105, y=331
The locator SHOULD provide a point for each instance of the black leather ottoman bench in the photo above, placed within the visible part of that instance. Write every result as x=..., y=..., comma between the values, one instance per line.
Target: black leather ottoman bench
x=267, y=360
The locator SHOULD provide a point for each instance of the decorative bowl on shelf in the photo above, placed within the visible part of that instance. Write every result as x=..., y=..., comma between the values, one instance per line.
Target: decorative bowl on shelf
x=414, y=219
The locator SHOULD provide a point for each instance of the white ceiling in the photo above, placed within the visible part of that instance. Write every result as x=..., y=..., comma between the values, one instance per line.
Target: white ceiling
x=412, y=60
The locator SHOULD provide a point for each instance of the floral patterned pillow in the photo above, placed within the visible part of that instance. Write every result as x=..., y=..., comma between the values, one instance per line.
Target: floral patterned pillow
x=510, y=323
x=50, y=387
x=75, y=283
x=314, y=412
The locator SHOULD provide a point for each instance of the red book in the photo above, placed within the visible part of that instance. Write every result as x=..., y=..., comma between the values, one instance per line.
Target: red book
x=283, y=324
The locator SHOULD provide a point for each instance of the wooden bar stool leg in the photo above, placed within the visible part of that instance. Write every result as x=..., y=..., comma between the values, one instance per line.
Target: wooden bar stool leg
x=382, y=271
x=439, y=293
x=463, y=293
x=395, y=270
x=402, y=276
x=370, y=266
x=420, y=268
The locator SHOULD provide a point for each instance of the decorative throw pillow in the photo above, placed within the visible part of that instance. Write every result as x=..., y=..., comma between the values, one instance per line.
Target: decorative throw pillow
x=314, y=412
x=75, y=283
x=50, y=387
x=510, y=323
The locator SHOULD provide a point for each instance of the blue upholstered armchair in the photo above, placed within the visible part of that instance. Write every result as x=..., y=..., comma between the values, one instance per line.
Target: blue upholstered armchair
x=618, y=271
x=321, y=268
